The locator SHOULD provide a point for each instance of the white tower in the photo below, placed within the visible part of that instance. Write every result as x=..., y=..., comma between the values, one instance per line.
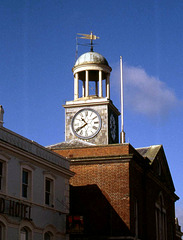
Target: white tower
x=91, y=116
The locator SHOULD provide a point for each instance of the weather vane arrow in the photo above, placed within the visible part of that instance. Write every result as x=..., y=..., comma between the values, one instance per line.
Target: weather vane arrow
x=90, y=36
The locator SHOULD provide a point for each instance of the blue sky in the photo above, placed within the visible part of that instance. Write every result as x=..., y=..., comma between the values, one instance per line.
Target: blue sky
x=37, y=53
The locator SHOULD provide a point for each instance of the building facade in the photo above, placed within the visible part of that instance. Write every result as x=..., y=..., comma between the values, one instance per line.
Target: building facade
x=121, y=192
x=117, y=192
x=34, y=190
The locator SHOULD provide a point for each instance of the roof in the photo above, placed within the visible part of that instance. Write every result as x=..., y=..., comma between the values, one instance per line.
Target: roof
x=91, y=57
x=71, y=143
x=149, y=152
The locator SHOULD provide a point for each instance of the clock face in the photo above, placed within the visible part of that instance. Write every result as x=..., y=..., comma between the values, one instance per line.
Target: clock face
x=112, y=126
x=86, y=123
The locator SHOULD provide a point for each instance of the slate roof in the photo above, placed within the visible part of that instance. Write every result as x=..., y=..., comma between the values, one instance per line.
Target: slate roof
x=149, y=152
x=71, y=143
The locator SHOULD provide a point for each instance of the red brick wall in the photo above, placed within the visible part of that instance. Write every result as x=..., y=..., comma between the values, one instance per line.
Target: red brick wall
x=123, y=182
x=113, y=181
x=100, y=151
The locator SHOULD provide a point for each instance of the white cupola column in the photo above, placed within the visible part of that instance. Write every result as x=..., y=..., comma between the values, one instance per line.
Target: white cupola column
x=100, y=83
x=87, y=84
x=1, y=115
x=108, y=86
x=76, y=86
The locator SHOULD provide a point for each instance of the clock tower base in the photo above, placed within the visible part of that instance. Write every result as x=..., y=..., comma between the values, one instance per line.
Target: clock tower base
x=108, y=113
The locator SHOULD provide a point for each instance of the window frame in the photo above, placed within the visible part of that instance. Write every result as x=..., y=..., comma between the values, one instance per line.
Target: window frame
x=3, y=179
x=49, y=177
x=48, y=191
x=51, y=230
x=161, y=219
x=50, y=235
x=25, y=183
x=2, y=230
x=28, y=232
x=29, y=170
x=1, y=175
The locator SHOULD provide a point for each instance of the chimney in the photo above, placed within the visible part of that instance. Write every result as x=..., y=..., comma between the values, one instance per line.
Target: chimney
x=1, y=115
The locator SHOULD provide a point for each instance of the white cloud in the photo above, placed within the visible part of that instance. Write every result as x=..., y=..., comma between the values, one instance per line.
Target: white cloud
x=146, y=94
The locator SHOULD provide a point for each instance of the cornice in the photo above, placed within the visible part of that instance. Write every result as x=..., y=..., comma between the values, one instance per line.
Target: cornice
x=90, y=103
x=20, y=142
x=36, y=159
x=101, y=160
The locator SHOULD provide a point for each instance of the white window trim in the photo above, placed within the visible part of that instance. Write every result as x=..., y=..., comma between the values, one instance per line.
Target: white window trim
x=28, y=230
x=29, y=226
x=30, y=170
x=4, y=159
x=48, y=175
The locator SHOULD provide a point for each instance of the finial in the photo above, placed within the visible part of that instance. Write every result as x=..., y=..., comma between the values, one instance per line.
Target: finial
x=89, y=36
x=1, y=115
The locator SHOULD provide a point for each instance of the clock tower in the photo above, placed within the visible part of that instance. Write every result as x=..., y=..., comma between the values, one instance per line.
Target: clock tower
x=91, y=116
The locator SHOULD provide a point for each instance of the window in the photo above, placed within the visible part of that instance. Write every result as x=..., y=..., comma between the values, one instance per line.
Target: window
x=4, y=158
x=2, y=231
x=49, y=192
x=49, y=188
x=25, y=234
x=26, y=183
x=48, y=236
x=25, y=175
x=161, y=223
x=1, y=175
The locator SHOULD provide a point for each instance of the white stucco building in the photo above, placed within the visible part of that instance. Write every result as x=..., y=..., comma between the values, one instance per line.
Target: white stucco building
x=34, y=190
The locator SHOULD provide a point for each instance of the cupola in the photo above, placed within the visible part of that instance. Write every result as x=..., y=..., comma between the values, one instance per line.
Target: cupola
x=91, y=68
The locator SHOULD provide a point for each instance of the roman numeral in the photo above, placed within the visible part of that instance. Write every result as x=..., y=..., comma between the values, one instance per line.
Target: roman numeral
x=94, y=117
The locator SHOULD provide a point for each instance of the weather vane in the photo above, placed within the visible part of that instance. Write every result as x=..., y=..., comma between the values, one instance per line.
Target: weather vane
x=86, y=36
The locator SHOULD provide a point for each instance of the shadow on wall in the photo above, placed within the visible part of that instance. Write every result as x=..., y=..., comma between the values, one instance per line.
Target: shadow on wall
x=99, y=217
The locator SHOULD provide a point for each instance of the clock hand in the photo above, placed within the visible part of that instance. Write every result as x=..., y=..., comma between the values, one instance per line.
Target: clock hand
x=83, y=120
x=79, y=128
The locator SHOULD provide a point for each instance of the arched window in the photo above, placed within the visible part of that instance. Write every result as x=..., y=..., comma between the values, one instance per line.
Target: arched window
x=25, y=234
x=48, y=236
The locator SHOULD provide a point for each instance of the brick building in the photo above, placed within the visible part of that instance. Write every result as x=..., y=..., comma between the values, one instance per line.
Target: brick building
x=117, y=192
x=121, y=191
